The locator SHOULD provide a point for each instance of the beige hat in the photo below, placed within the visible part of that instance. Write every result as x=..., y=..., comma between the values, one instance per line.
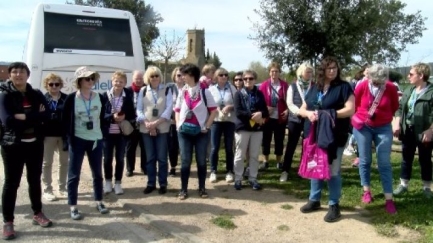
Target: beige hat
x=84, y=72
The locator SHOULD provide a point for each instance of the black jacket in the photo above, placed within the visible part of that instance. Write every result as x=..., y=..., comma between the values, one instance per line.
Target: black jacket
x=127, y=108
x=325, y=131
x=53, y=126
x=244, y=114
x=68, y=118
x=11, y=103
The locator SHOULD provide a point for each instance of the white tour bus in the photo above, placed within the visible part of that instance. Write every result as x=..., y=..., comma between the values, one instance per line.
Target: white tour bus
x=63, y=37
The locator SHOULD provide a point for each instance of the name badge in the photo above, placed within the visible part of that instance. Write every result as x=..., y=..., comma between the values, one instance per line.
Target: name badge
x=155, y=112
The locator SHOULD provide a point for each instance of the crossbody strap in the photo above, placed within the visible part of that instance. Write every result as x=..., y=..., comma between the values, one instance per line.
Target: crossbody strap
x=376, y=101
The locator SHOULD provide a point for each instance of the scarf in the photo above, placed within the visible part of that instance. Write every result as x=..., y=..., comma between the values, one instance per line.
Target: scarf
x=304, y=84
x=136, y=88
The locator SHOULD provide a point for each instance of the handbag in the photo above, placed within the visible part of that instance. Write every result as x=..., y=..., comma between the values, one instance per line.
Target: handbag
x=126, y=127
x=314, y=160
x=189, y=129
x=357, y=122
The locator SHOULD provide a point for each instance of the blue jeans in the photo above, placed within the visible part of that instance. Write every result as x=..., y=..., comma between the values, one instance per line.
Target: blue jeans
x=112, y=142
x=187, y=143
x=334, y=184
x=217, y=130
x=156, y=150
x=77, y=148
x=382, y=138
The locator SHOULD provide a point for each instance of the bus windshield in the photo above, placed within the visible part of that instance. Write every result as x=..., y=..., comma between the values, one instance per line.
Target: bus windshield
x=73, y=34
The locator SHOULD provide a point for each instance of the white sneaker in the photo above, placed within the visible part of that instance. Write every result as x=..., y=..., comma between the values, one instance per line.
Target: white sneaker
x=213, y=177
x=229, y=177
x=284, y=176
x=118, y=189
x=347, y=152
x=49, y=196
x=108, y=187
x=63, y=193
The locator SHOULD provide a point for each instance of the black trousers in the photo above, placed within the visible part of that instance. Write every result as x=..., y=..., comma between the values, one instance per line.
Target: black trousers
x=133, y=141
x=14, y=158
x=295, y=130
x=173, y=146
x=272, y=127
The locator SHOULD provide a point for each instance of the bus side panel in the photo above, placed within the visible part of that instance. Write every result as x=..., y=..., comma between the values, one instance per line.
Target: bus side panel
x=103, y=85
x=34, y=52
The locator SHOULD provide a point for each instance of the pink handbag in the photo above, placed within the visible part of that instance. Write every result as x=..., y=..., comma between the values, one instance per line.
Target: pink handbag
x=314, y=161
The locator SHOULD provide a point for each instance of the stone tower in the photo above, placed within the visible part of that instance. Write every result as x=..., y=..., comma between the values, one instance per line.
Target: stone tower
x=195, y=48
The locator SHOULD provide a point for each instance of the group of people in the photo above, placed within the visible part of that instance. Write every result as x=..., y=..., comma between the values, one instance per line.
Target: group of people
x=193, y=114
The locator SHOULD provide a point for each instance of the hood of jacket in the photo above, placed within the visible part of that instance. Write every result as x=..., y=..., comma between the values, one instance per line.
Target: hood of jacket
x=9, y=87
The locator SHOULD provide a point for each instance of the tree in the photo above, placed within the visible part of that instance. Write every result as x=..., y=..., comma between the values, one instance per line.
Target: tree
x=214, y=59
x=355, y=31
x=261, y=70
x=167, y=49
x=145, y=16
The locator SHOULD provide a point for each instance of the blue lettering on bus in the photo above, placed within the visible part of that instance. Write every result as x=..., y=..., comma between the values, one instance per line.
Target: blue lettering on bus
x=103, y=85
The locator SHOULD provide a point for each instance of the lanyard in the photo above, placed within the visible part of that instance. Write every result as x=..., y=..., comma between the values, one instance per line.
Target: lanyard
x=320, y=97
x=223, y=94
x=85, y=106
x=414, y=97
x=154, y=95
x=114, y=106
x=53, y=105
x=274, y=95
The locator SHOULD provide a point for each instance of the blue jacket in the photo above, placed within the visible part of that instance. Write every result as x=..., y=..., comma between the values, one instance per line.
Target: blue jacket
x=325, y=130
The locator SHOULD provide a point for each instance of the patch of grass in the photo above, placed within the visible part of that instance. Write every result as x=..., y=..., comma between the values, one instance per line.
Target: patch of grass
x=286, y=206
x=224, y=221
x=283, y=227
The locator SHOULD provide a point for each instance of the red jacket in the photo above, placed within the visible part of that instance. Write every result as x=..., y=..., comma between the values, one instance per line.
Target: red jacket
x=265, y=87
x=388, y=104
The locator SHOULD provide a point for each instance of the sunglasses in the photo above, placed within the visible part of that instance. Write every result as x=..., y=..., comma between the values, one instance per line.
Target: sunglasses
x=154, y=76
x=223, y=75
x=238, y=79
x=248, y=79
x=54, y=84
x=88, y=79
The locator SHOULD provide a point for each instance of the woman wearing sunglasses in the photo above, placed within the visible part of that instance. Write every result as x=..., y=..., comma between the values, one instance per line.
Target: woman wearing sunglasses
x=154, y=108
x=54, y=138
x=238, y=82
x=83, y=120
x=222, y=93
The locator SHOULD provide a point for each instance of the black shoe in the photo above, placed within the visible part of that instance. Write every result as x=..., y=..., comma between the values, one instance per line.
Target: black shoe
x=129, y=173
x=162, y=190
x=149, y=189
x=310, y=206
x=333, y=213
x=202, y=193
x=280, y=166
x=172, y=172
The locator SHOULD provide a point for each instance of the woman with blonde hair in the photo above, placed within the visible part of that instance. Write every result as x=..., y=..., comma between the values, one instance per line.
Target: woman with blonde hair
x=119, y=108
x=154, y=108
x=376, y=101
x=55, y=138
x=295, y=96
x=223, y=94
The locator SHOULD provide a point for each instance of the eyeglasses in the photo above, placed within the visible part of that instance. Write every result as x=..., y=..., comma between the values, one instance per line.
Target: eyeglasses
x=223, y=75
x=331, y=68
x=54, y=84
x=154, y=76
x=89, y=79
x=238, y=79
x=179, y=75
x=411, y=74
x=248, y=79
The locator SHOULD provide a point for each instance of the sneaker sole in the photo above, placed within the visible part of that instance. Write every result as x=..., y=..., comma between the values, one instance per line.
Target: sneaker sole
x=43, y=225
x=311, y=210
x=333, y=220
x=11, y=237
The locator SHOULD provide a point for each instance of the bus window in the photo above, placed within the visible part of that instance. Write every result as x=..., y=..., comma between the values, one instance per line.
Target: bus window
x=73, y=34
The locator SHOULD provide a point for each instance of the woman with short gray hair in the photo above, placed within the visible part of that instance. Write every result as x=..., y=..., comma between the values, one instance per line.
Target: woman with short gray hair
x=376, y=101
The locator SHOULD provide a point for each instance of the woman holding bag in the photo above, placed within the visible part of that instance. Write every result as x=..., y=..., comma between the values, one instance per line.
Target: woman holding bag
x=376, y=101
x=333, y=95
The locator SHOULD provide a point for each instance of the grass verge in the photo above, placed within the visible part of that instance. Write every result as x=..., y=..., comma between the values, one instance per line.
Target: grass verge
x=224, y=221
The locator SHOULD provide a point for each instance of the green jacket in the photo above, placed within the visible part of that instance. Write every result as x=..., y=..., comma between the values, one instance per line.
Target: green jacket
x=423, y=111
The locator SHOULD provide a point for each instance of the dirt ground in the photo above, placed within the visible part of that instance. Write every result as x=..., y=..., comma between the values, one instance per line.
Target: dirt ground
x=258, y=215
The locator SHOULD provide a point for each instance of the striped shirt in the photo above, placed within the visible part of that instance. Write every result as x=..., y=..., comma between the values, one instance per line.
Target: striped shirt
x=116, y=104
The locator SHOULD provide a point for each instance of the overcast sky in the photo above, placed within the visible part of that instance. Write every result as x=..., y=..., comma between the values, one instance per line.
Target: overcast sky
x=225, y=21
